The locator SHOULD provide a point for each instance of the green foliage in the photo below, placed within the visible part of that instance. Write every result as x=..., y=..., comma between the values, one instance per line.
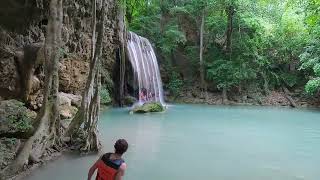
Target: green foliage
x=313, y=86
x=20, y=121
x=105, y=96
x=222, y=72
x=310, y=57
x=172, y=37
x=290, y=80
x=227, y=74
x=175, y=84
x=16, y=118
x=269, y=37
x=311, y=63
x=149, y=107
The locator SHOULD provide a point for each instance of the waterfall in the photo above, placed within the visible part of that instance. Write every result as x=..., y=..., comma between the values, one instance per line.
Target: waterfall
x=146, y=69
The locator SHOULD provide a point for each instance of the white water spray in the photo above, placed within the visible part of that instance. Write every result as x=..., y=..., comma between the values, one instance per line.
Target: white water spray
x=146, y=69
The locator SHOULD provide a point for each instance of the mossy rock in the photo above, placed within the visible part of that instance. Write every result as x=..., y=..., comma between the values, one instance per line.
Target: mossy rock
x=8, y=151
x=15, y=119
x=129, y=100
x=149, y=107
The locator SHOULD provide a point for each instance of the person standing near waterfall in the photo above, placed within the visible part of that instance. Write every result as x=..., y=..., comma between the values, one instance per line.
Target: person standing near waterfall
x=111, y=166
x=143, y=95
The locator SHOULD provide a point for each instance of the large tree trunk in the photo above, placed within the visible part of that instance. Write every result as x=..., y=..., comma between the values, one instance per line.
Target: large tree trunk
x=230, y=13
x=26, y=64
x=265, y=83
x=288, y=97
x=123, y=40
x=46, y=136
x=224, y=96
x=228, y=45
x=88, y=113
x=203, y=84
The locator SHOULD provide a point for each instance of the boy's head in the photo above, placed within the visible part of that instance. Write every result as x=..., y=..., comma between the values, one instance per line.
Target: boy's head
x=121, y=146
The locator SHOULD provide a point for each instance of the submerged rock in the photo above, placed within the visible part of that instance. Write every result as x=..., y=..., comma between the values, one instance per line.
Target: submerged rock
x=15, y=119
x=149, y=107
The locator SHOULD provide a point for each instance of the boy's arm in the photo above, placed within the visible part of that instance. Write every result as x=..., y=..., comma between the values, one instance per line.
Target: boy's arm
x=93, y=169
x=121, y=171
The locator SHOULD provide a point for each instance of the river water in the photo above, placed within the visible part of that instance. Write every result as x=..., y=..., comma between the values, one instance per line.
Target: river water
x=206, y=142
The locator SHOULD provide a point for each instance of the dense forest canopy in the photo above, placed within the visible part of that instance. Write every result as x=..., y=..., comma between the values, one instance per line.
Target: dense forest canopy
x=265, y=44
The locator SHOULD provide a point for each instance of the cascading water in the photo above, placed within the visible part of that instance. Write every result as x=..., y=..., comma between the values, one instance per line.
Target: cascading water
x=146, y=69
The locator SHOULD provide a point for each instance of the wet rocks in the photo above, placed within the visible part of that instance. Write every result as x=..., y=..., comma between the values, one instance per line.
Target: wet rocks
x=15, y=119
x=68, y=105
x=70, y=99
x=73, y=76
x=8, y=77
x=68, y=112
x=8, y=150
x=35, y=101
x=129, y=100
x=149, y=107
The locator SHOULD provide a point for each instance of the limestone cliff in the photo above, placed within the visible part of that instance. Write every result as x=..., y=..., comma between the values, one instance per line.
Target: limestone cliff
x=22, y=31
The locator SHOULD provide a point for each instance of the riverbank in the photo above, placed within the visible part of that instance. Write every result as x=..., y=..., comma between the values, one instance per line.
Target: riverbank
x=278, y=137
x=296, y=98
x=17, y=125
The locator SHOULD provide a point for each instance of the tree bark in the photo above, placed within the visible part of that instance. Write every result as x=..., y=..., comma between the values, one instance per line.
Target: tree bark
x=79, y=117
x=201, y=51
x=230, y=13
x=224, y=96
x=46, y=136
x=265, y=83
x=123, y=40
x=88, y=113
x=288, y=97
x=26, y=65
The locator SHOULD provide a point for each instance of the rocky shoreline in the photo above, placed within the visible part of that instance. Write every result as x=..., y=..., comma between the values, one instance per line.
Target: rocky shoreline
x=274, y=98
x=17, y=124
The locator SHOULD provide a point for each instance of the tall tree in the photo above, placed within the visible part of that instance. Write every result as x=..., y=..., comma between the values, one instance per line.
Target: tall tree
x=228, y=44
x=47, y=134
x=202, y=68
x=88, y=114
x=122, y=35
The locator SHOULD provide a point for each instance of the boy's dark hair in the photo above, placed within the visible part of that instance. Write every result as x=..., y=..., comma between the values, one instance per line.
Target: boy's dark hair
x=121, y=146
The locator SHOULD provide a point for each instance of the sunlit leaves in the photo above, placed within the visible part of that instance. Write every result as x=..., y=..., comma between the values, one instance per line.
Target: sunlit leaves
x=313, y=86
x=172, y=37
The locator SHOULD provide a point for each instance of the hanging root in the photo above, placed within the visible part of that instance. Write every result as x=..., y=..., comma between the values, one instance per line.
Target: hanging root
x=88, y=114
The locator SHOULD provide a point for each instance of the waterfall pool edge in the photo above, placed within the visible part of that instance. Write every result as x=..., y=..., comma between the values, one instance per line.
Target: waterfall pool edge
x=221, y=142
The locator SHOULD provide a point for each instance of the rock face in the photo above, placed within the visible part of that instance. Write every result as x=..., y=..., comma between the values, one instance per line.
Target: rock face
x=15, y=120
x=73, y=76
x=129, y=100
x=69, y=105
x=67, y=112
x=70, y=99
x=149, y=107
x=8, y=150
x=23, y=23
x=8, y=76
